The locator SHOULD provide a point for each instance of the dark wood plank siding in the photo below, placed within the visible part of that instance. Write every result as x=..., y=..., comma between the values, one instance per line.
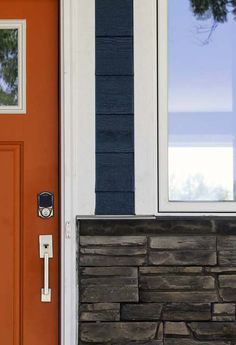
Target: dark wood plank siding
x=114, y=18
x=114, y=95
x=115, y=133
x=114, y=107
x=115, y=203
x=113, y=172
x=114, y=56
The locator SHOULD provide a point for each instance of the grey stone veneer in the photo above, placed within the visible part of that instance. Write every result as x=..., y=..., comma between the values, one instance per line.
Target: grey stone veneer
x=160, y=282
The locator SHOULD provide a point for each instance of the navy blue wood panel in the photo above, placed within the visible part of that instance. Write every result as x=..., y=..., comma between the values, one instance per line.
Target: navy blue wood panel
x=114, y=17
x=114, y=107
x=115, y=203
x=114, y=172
x=114, y=133
x=114, y=95
x=114, y=56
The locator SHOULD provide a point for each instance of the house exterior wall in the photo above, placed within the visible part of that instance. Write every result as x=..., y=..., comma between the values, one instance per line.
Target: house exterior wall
x=158, y=282
x=166, y=281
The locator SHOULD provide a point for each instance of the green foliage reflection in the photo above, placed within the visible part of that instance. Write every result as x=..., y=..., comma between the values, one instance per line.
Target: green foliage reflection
x=8, y=67
x=217, y=9
x=195, y=188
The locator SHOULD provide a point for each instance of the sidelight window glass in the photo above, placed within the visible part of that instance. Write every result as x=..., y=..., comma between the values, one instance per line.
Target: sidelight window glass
x=197, y=114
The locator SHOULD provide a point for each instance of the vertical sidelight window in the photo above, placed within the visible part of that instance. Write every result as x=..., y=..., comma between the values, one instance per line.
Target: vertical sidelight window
x=197, y=106
x=12, y=66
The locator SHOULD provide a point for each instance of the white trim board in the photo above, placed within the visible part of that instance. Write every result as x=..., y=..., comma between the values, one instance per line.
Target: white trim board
x=145, y=106
x=77, y=146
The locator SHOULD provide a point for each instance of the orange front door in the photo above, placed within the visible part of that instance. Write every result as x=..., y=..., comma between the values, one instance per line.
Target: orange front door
x=28, y=166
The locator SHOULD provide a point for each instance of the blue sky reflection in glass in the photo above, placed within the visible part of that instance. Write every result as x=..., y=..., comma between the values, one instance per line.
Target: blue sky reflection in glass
x=201, y=106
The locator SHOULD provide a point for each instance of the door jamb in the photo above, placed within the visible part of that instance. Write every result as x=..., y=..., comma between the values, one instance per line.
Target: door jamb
x=77, y=127
x=68, y=283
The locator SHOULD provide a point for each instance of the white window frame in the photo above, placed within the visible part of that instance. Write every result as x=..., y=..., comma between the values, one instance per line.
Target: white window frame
x=151, y=140
x=20, y=25
x=164, y=204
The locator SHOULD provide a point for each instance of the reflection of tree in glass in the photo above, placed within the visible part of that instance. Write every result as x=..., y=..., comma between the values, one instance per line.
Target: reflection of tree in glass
x=217, y=9
x=196, y=189
x=8, y=67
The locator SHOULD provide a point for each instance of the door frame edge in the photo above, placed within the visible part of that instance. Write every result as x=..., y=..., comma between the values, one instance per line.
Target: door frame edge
x=77, y=149
x=68, y=330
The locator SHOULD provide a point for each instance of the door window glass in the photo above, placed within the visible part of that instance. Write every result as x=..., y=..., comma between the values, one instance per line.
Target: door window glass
x=12, y=66
x=9, y=67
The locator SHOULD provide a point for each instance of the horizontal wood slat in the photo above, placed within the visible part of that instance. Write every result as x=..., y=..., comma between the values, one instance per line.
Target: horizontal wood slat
x=114, y=18
x=114, y=133
x=114, y=95
x=114, y=56
x=115, y=172
x=114, y=203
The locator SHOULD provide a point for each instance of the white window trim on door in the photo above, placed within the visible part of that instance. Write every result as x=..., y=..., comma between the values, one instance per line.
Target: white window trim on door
x=77, y=146
x=20, y=25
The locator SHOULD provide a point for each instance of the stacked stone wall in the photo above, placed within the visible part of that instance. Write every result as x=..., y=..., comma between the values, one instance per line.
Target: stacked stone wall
x=158, y=282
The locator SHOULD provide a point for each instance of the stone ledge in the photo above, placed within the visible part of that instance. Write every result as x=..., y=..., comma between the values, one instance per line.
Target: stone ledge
x=141, y=312
x=109, y=284
x=180, y=341
x=176, y=328
x=118, y=331
x=183, y=257
x=100, y=312
x=179, y=297
x=177, y=282
x=149, y=342
x=214, y=330
x=181, y=242
x=112, y=241
x=187, y=312
x=136, y=227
